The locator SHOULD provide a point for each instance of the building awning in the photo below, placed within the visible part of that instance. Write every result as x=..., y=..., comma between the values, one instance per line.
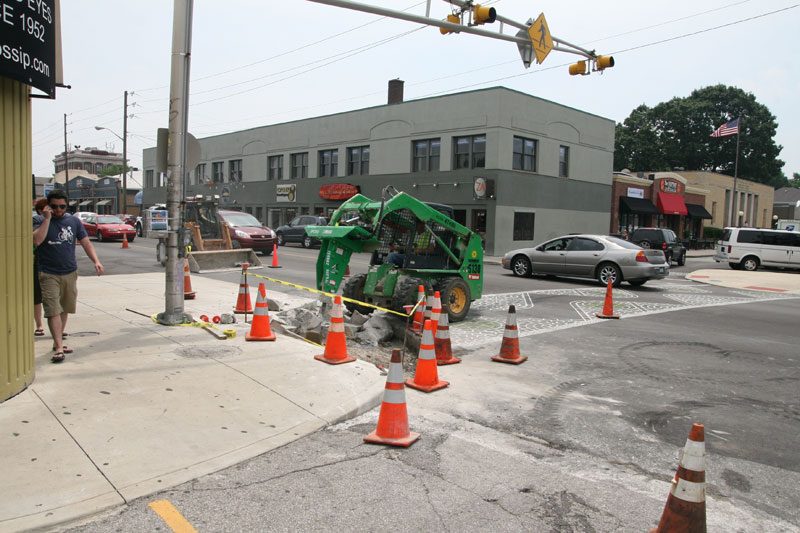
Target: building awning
x=697, y=211
x=85, y=202
x=637, y=206
x=104, y=202
x=671, y=204
x=73, y=202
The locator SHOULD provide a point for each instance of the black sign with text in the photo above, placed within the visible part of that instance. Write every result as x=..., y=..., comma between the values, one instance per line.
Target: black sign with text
x=28, y=42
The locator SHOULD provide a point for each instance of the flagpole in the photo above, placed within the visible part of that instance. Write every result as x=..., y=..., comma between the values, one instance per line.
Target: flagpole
x=734, y=200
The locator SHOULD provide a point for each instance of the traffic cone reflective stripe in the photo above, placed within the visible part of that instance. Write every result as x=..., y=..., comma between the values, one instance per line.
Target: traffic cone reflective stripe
x=259, y=328
x=419, y=315
x=426, y=378
x=188, y=293
x=441, y=342
x=608, y=304
x=274, y=257
x=125, y=240
x=243, y=303
x=509, y=349
x=686, y=504
x=392, y=427
x=436, y=310
x=336, y=342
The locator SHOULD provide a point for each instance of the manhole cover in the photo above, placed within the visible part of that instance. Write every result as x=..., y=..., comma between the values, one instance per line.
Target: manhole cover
x=208, y=352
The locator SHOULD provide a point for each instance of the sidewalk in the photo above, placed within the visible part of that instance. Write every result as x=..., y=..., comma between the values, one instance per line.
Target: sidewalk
x=140, y=407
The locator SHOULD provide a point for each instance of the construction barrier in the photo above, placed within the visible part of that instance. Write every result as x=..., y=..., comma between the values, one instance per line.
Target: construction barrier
x=125, y=240
x=509, y=349
x=426, y=377
x=441, y=342
x=336, y=342
x=419, y=316
x=260, y=329
x=608, y=304
x=392, y=427
x=274, y=257
x=188, y=293
x=243, y=303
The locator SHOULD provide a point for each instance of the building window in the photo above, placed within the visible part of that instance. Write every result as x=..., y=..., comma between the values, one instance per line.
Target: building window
x=275, y=171
x=328, y=163
x=200, y=173
x=235, y=171
x=300, y=165
x=148, y=178
x=524, y=154
x=523, y=226
x=426, y=155
x=217, y=172
x=469, y=152
x=563, y=161
x=358, y=161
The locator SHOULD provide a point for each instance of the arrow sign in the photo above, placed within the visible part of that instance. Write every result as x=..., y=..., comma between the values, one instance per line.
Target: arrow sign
x=541, y=39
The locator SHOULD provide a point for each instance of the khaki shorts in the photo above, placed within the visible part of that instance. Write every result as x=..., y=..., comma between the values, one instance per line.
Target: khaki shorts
x=59, y=293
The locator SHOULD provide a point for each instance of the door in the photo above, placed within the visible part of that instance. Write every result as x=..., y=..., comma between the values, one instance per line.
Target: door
x=550, y=257
x=582, y=256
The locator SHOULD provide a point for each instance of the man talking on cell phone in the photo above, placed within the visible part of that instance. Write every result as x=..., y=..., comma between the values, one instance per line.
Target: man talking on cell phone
x=55, y=233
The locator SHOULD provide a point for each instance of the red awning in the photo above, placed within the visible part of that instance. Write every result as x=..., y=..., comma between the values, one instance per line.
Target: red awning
x=671, y=204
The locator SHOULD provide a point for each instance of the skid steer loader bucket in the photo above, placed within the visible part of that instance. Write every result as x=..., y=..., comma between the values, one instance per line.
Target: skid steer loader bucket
x=222, y=260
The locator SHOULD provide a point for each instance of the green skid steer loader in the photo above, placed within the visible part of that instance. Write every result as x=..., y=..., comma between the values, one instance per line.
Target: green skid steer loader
x=411, y=243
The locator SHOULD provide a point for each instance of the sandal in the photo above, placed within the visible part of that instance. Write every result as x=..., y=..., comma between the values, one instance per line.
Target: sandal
x=58, y=357
x=39, y=332
x=65, y=349
x=65, y=334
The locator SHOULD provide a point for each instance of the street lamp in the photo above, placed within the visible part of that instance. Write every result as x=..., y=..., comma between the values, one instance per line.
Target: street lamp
x=124, y=166
x=741, y=214
x=774, y=221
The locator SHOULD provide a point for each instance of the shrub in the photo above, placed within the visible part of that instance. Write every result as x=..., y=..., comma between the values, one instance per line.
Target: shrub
x=710, y=232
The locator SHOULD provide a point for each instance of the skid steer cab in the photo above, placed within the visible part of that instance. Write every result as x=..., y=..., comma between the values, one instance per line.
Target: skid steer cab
x=208, y=239
x=410, y=243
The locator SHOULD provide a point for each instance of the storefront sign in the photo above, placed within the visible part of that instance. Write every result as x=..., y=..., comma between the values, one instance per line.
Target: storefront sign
x=29, y=43
x=635, y=193
x=479, y=188
x=338, y=191
x=285, y=193
x=671, y=186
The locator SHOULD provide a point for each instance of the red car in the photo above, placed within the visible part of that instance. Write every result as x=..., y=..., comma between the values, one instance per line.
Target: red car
x=107, y=227
x=247, y=232
x=128, y=219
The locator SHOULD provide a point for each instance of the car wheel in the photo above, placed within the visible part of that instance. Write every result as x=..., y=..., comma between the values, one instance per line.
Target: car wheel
x=749, y=263
x=682, y=259
x=307, y=243
x=609, y=271
x=281, y=242
x=138, y=230
x=636, y=282
x=99, y=236
x=456, y=296
x=645, y=244
x=521, y=266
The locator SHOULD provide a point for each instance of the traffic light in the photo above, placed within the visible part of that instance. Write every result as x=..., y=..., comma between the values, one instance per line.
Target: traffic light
x=604, y=62
x=450, y=18
x=482, y=15
x=578, y=68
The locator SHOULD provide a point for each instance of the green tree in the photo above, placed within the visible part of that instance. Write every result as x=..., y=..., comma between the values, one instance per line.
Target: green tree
x=677, y=133
x=112, y=170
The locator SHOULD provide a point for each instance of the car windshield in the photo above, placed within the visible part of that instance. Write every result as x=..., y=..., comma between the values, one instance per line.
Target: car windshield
x=109, y=219
x=242, y=219
x=623, y=243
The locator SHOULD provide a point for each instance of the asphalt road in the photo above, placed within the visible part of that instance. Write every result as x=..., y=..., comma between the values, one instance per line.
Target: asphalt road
x=582, y=437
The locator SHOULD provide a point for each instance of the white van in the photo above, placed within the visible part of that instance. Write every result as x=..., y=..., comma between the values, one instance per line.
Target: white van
x=749, y=248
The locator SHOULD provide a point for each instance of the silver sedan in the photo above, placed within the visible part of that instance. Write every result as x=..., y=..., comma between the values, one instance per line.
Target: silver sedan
x=600, y=257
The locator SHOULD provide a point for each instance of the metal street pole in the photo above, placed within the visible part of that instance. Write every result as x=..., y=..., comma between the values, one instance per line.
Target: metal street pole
x=125, y=157
x=176, y=159
x=66, y=162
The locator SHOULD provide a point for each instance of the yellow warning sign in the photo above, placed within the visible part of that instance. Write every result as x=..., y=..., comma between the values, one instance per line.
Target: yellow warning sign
x=541, y=39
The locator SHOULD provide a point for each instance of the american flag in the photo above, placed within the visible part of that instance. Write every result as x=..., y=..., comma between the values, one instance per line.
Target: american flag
x=730, y=128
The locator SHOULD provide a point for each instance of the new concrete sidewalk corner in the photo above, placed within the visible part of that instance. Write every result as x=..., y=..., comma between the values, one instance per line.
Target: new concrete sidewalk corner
x=140, y=407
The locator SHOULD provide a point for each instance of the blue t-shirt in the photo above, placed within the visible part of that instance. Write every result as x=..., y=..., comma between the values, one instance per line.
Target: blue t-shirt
x=57, y=251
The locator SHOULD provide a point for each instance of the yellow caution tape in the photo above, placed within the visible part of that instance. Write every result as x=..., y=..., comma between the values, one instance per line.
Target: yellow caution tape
x=197, y=324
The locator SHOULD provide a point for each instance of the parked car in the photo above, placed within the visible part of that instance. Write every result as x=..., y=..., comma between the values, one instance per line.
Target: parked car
x=661, y=239
x=128, y=219
x=746, y=248
x=589, y=256
x=108, y=227
x=295, y=231
x=247, y=232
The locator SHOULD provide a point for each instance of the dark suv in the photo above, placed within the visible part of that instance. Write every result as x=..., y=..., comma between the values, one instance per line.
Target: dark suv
x=661, y=239
x=295, y=231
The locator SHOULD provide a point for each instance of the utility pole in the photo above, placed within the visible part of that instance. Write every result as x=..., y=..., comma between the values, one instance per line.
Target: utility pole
x=176, y=159
x=66, y=161
x=125, y=157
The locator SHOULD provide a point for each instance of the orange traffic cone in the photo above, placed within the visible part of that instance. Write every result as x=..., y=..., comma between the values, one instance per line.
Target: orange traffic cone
x=124, y=240
x=243, y=303
x=419, y=315
x=509, y=349
x=428, y=307
x=347, y=272
x=444, y=352
x=436, y=311
x=274, y=257
x=188, y=293
x=426, y=378
x=336, y=343
x=259, y=327
x=608, y=305
x=393, y=419
x=686, y=504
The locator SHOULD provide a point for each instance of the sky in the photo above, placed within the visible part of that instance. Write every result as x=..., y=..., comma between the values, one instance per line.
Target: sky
x=256, y=63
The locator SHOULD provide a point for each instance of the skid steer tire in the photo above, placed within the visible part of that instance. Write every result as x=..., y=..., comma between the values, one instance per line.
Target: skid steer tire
x=354, y=288
x=455, y=294
x=405, y=292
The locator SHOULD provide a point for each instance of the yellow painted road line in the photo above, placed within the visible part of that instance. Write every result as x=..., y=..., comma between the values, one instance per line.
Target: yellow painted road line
x=171, y=517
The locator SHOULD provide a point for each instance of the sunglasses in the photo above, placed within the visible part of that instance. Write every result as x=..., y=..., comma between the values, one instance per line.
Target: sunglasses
x=58, y=206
